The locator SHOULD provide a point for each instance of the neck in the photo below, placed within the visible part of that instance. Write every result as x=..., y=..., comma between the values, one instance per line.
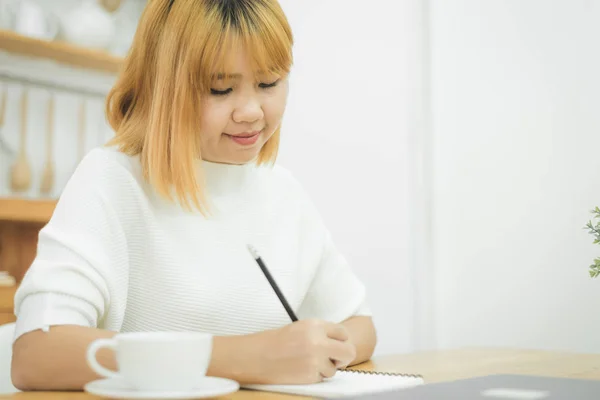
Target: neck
x=222, y=178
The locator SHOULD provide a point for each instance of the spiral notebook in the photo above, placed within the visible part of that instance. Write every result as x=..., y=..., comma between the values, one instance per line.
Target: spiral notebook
x=347, y=383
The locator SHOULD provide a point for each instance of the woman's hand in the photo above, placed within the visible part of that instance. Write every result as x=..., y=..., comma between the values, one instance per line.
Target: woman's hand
x=303, y=352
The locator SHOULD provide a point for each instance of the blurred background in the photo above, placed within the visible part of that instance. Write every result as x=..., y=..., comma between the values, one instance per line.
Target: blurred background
x=449, y=144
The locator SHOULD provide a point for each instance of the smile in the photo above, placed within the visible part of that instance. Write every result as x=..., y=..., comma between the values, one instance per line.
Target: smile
x=245, y=138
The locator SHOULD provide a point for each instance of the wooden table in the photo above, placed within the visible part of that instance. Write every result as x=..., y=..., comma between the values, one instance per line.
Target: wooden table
x=435, y=366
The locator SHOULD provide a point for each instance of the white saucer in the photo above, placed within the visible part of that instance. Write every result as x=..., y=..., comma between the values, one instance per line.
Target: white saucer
x=117, y=389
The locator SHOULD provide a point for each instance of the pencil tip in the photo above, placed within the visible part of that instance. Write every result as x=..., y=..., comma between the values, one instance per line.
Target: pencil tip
x=253, y=251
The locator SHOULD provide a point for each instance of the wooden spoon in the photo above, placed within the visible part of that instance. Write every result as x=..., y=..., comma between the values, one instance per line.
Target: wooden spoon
x=48, y=174
x=111, y=5
x=2, y=116
x=21, y=171
x=3, y=107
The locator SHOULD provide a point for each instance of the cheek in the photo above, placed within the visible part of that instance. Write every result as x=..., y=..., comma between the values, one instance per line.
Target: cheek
x=274, y=107
x=214, y=118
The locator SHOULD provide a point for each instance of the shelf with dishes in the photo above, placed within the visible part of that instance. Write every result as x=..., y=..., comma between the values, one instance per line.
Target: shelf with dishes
x=61, y=52
x=93, y=34
x=56, y=67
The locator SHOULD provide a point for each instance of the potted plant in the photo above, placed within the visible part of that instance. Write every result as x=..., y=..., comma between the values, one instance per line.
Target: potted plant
x=594, y=230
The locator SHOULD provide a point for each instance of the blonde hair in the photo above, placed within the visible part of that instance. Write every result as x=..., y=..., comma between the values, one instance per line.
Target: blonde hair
x=178, y=47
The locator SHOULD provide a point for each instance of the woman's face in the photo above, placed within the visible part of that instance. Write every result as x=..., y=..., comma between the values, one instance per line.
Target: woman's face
x=241, y=114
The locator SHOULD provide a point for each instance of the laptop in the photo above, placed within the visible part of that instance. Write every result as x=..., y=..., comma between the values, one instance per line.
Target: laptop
x=498, y=387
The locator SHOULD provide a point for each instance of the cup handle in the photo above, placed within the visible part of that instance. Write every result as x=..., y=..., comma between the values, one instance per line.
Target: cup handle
x=93, y=362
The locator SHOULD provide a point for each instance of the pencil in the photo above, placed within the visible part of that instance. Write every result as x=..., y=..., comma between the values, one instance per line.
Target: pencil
x=272, y=282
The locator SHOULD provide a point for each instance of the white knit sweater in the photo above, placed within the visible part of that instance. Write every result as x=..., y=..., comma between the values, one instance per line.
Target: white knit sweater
x=117, y=256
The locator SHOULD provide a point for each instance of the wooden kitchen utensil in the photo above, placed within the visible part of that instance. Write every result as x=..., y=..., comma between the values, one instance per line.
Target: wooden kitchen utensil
x=48, y=175
x=3, y=145
x=111, y=5
x=21, y=171
x=3, y=107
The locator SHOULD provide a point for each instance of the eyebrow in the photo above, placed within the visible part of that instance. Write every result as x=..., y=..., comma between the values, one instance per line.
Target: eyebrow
x=223, y=76
x=226, y=76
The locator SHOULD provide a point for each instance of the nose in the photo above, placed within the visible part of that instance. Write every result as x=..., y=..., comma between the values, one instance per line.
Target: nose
x=248, y=110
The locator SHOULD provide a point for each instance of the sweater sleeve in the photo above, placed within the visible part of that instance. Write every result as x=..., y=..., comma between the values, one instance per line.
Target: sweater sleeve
x=79, y=271
x=335, y=292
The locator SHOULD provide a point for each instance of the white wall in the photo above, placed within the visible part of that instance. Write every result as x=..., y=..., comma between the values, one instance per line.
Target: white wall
x=350, y=118
x=516, y=170
x=353, y=112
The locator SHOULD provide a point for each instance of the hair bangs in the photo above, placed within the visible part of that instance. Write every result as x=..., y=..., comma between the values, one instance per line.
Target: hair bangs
x=259, y=27
x=269, y=42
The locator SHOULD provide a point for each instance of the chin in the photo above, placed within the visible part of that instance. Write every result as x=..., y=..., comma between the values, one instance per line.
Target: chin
x=246, y=160
x=241, y=158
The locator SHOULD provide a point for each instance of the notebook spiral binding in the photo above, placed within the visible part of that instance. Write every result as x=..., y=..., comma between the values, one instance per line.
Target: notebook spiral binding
x=381, y=373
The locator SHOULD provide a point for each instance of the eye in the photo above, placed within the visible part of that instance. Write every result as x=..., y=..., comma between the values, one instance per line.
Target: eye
x=216, y=92
x=268, y=85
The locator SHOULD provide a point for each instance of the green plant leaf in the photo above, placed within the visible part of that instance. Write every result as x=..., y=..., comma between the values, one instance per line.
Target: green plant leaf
x=594, y=230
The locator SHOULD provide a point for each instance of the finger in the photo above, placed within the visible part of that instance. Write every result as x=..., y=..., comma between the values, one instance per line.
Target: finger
x=341, y=365
x=328, y=369
x=341, y=352
x=313, y=378
x=337, y=332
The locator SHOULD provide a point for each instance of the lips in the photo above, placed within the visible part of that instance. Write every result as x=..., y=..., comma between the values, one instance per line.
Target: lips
x=245, y=138
x=245, y=134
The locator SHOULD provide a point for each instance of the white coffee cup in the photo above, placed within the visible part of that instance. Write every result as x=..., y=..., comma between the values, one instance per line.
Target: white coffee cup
x=156, y=361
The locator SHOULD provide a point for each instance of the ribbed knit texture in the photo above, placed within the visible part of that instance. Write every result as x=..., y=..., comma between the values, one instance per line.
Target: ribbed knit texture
x=117, y=256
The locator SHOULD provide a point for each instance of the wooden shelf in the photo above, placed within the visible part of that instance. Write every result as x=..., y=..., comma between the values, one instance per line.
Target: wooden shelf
x=61, y=52
x=7, y=294
x=24, y=210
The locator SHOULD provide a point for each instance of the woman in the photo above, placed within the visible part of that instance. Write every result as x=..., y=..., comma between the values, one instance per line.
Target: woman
x=151, y=232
